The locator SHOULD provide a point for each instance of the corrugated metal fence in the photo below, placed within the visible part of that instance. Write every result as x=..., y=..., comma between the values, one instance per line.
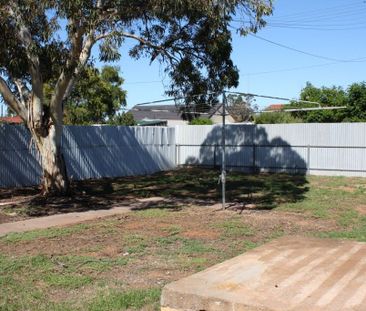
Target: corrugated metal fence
x=89, y=151
x=106, y=151
x=313, y=148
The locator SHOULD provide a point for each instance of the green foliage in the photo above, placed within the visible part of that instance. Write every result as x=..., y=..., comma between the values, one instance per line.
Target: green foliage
x=356, y=111
x=51, y=42
x=201, y=121
x=276, y=117
x=353, y=98
x=96, y=97
x=192, y=38
x=125, y=118
x=327, y=97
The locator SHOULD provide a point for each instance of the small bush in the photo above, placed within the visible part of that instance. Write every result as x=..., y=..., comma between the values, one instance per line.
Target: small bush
x=201, y=121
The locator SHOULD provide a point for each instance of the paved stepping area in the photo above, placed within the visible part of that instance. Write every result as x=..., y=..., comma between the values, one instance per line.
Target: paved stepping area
x=292, y=273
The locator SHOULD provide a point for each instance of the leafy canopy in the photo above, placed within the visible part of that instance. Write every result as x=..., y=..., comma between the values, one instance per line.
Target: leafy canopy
x=201, y=121
x=352, y=98
x=124, y=118
x=191, y=37
x=96, y=97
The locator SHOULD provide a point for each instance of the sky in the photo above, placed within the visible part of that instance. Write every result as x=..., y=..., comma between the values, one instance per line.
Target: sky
x=334, y=31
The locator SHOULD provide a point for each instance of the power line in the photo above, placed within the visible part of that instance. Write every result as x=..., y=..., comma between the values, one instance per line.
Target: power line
x=316, y=28
x=300, y=68
x=306, y=53
x=316, y=11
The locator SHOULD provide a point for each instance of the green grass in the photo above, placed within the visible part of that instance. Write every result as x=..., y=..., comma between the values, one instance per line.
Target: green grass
x=182, y=245
x=127, y=300
x=154, y=212
x=171, y=242
x=135, y=243
x=234, y=228
x=44, y=233
x=354, y=228
x=67, y=281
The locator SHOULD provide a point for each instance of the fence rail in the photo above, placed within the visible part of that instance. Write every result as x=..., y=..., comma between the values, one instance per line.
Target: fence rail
x=106, y=151
x=320, y=149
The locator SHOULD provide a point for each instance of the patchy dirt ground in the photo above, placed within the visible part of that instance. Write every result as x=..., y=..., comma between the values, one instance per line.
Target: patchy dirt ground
x=122, y=262
x=188, y=186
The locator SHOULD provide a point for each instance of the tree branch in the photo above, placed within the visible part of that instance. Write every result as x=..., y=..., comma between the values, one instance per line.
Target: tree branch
x=83, y=58
x=79, y=55
x=25, y=37
x=12, y=101
x=143, y=41
x=148, y=43
x=22, y=90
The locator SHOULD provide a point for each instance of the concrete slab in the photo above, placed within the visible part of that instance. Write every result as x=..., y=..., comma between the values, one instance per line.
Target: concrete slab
x=292, y=273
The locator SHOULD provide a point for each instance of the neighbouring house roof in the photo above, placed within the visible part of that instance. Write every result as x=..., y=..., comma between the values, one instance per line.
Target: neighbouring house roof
x=11, y=120
x=151, y=122
x=158, y=113
x=215, y=110
x=275, y=107
x=155, y=112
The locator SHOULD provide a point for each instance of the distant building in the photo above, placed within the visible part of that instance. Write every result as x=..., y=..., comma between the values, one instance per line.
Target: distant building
x=169, y=115
x=11, y=120
x=215, y=114
x=149, y=115
x=275, y=107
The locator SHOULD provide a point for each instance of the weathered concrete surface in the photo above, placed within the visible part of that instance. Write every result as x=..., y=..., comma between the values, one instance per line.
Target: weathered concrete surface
x=58, y=220
x=290, y=273
x=75, y=217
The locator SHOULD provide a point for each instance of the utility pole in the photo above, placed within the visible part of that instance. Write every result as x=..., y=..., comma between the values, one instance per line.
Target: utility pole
x=223, y=168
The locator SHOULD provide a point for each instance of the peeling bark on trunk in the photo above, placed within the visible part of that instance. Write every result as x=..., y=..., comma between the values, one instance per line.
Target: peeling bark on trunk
x=55, y=180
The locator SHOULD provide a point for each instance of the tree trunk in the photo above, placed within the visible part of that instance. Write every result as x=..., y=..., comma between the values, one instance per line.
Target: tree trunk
x=55, y=180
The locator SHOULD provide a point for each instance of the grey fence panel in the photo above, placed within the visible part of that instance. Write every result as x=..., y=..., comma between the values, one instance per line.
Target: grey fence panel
x=334, y=159
x=281, y=158
x=211, y=134
x=322, y=149
x=196, y=155
x=89, y=152
x=105, y=151
x=19, y=160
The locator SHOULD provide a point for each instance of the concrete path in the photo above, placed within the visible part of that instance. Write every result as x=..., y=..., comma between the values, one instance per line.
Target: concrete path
x=287, y=274
x=75, y=218
x=58, y=220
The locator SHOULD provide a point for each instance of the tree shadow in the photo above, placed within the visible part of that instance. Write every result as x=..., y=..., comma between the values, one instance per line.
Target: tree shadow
x=279, y=169
x=180, y=187
x=91, y=152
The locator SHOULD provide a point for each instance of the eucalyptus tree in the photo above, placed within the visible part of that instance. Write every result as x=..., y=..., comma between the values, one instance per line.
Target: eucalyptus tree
x=50, y=41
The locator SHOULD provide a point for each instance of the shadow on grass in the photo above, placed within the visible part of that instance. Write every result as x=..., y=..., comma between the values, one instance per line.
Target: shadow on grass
x=165, y=190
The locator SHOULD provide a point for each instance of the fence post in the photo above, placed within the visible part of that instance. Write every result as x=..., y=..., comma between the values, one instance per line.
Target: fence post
x=214, y=156
x=308, y=160
x=177, y=155
x=254, y=156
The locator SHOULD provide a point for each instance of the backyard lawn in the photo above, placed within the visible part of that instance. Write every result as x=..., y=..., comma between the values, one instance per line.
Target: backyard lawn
x=122, y=262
